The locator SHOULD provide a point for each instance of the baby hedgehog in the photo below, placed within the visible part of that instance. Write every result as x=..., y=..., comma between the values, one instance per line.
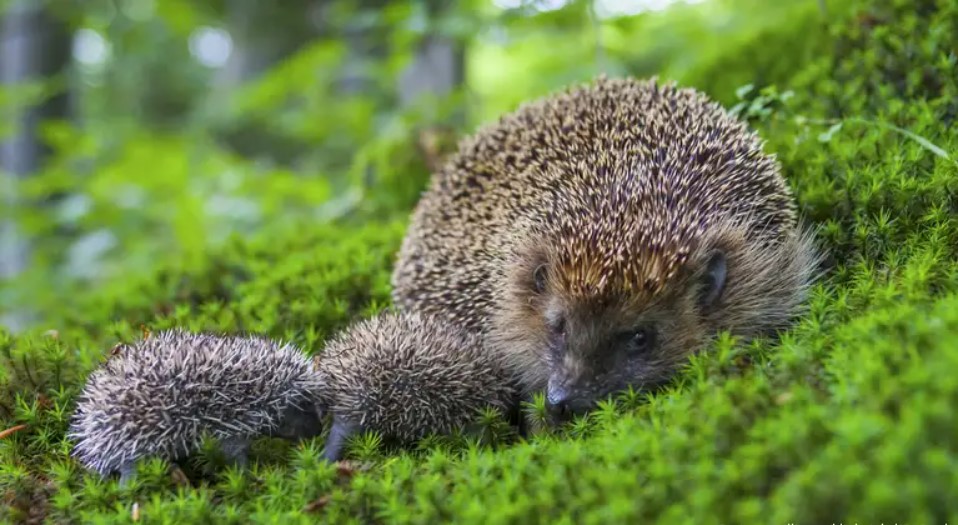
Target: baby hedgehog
x=599, y=236
x=160, y=395
x=405, y=376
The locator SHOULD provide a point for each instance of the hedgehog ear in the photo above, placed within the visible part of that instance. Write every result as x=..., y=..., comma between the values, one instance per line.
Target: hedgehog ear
x=713, y=280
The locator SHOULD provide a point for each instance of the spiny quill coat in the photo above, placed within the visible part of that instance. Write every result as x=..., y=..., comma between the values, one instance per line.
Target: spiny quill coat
x=159, y=396
x=406, y=376
x=599, y=236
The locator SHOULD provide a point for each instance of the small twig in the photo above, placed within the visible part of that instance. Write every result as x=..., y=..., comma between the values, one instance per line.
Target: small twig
x=12, y=430
x=317, y=505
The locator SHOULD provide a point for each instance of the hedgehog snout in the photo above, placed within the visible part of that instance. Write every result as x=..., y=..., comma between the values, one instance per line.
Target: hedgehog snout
x=564, y=399
x=300, y=422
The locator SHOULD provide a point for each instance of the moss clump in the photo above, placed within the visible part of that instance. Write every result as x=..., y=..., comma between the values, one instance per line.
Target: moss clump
x=847, y=419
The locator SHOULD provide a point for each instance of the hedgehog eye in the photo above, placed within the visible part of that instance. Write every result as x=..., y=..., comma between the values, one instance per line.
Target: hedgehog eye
x=640, y=340
x=557, y=339
x=539, y=278
x=558, y=327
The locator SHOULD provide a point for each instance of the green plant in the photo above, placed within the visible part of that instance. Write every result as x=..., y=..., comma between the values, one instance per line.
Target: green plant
x=847, y=417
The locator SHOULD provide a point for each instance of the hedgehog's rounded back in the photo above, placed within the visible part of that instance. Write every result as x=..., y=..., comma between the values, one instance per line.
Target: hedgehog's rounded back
x=569, y=227
x=160, y=395
x=407, y=375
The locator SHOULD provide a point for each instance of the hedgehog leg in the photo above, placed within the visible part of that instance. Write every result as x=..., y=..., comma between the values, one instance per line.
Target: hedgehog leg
x=520, y=422
x=236, y=450
x=336, y=442
x=517, y=415
x=127, y=473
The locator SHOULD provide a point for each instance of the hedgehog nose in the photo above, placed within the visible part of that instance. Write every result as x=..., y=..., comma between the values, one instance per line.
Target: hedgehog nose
x=557, y=403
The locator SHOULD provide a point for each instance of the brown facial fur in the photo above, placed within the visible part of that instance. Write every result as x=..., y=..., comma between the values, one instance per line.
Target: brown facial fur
x=622, y=189
x=764, y=289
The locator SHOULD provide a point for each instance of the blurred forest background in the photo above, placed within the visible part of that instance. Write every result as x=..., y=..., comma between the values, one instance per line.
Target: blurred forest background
x=141, y=131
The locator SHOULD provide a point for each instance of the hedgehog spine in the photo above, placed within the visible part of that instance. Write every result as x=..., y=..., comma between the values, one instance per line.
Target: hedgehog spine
x=575, y=235
x=408, y=375
x=159, y=396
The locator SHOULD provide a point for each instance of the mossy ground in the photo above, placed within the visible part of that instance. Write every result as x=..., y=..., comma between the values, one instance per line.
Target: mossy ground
x=847, y=418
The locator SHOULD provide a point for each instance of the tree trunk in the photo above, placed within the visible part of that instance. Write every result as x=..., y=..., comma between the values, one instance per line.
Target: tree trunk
x=436, y=69
x=264, y=33
x=35, y=46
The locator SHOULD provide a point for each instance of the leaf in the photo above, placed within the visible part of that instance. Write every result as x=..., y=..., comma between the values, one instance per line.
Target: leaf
x=922, y=141
x=826, y=136
x=925, y=143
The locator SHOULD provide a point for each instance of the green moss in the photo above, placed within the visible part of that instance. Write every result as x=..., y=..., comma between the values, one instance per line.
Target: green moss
x=848, y=418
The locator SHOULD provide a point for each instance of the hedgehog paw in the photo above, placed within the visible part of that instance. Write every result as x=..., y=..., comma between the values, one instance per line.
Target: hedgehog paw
x=236, y=451
x=127, y=473
x=336, y=442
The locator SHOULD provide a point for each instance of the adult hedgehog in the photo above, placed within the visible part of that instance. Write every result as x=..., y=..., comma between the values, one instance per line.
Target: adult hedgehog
x=599, y=236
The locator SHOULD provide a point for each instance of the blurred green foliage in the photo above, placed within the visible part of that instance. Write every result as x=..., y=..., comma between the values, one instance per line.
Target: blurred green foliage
x=846, y=419
x=166, y=157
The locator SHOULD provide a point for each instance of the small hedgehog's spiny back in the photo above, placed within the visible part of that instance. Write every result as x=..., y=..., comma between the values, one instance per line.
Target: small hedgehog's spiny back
x=196, y=364
x=660, y=163
x=159, y=394
x=409, y=375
